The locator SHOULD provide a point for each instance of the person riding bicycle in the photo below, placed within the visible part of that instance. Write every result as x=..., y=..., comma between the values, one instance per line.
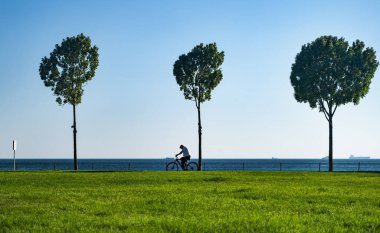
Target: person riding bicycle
x=185, y=155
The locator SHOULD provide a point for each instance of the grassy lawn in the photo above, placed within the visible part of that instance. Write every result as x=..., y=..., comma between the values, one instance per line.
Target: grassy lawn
x=189, y=202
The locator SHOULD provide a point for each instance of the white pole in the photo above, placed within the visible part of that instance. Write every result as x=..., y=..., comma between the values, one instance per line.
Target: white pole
x=14, y=160
x=14, y=154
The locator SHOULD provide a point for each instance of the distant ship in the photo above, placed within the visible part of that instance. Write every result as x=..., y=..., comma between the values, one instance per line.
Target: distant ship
x=359, y=157
x=326, y=157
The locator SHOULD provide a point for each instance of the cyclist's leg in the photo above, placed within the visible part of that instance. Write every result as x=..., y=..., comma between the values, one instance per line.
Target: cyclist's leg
x=187, y=158
x=183, y=161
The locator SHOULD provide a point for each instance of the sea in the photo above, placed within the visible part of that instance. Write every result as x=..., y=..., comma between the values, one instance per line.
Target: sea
x=370, y=165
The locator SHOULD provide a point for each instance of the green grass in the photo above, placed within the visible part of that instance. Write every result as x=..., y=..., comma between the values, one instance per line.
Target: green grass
x=189, y=202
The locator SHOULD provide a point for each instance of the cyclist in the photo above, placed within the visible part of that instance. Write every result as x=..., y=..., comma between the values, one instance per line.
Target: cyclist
x=185, y=155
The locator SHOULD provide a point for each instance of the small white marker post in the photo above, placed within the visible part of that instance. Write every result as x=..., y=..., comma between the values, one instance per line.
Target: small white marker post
x=14, y=154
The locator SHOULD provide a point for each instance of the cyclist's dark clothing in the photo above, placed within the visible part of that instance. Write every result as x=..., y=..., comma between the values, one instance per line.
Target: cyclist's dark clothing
x=184, y=159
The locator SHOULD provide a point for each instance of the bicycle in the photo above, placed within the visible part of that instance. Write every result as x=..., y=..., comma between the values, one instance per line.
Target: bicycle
x=173, y=166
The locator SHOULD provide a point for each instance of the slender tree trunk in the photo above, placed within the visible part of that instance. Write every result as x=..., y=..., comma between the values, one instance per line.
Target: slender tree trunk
x=199, y=139
x=75, y=139
x=331, y=167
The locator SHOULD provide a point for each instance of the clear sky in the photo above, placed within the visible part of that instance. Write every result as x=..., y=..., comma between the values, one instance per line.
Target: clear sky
x=133, y=107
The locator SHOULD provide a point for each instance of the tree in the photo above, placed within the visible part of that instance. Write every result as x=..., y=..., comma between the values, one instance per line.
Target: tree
x=198, y=73
x=328, y=72
x=67, y=70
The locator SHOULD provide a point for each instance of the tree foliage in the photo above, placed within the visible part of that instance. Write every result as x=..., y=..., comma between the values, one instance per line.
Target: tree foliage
x=69, y=67
x=67, y=70
x=198, y=72
x=328, y=73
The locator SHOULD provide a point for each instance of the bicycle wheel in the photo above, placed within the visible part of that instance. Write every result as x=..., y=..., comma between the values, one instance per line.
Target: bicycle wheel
x=172, y=166
x=193, y=166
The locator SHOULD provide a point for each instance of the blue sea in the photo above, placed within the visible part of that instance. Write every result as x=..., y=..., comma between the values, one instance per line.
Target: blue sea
x=208, y=164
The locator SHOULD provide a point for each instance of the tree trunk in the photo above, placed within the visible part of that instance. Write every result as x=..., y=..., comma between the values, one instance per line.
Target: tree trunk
x=75, y=139
x=200, y=139
x=331, y=167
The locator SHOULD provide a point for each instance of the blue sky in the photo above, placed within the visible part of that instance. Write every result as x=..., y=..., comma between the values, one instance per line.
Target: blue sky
x=133, y=107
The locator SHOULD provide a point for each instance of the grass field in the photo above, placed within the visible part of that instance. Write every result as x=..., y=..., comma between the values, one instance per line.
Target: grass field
x=189, y=202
